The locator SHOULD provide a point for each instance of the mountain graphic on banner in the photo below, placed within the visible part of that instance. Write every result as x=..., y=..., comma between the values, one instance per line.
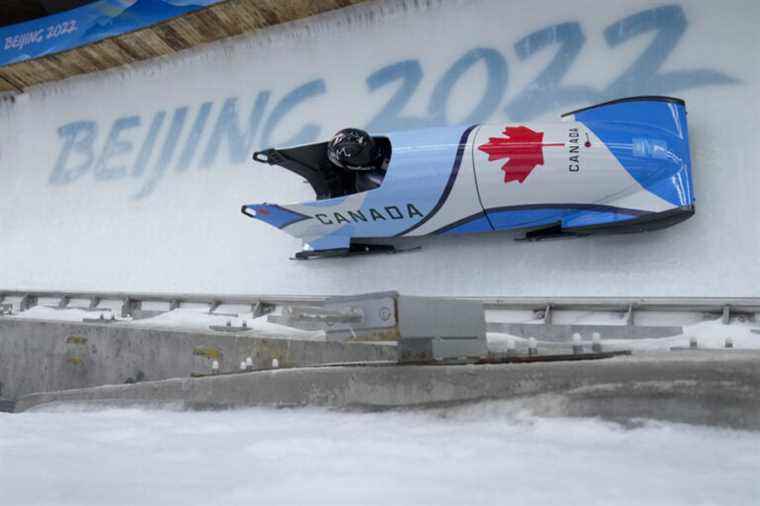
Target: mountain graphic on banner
x=139, y=15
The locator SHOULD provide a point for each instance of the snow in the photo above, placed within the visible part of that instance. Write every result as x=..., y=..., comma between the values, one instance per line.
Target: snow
x=709, y=334
x=49, y=313
x=490, y=453
x=186, y=318
x=181, y=318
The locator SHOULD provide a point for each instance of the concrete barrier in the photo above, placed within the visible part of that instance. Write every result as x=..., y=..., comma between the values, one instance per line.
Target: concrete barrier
x=714, y=388
x=39, y=356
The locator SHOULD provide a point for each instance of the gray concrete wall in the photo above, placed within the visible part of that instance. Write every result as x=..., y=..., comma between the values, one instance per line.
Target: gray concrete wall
x=41, y=356
x=714, y=388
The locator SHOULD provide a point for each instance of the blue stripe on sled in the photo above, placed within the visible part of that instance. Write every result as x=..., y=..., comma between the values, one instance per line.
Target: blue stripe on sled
x=650, y=140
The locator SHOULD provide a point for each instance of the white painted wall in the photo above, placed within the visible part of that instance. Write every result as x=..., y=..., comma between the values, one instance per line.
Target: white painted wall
x=103, y=230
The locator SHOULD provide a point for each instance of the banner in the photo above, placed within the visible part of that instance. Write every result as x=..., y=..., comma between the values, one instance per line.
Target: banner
x=87, y=24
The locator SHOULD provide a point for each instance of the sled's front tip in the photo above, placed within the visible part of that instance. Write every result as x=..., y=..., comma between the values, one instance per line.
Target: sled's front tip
x=274, y=215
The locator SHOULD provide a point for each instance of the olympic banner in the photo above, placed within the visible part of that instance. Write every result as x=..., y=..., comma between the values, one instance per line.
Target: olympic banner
x=87, y=24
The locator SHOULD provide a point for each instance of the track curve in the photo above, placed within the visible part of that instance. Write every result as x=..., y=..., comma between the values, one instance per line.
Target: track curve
x=132, y=180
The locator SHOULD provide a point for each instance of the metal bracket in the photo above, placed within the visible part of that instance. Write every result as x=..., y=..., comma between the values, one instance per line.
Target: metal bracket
x=726, y=317
x=64, y=302
x=307, y=315
x=27, y=301
x=369, y=317
x=629, y=316
x=261, y=309
x=94, y=303
x=129, y=306
x=548, y=315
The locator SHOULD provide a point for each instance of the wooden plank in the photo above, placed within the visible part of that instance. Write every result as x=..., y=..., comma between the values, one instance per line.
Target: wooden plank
x=227, y=19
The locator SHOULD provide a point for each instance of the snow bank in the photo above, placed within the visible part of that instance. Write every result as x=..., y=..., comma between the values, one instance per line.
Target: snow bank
x=709, y=334
x=491, y=453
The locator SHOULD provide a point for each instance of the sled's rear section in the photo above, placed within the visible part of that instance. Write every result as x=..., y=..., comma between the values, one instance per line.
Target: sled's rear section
x=650, y=139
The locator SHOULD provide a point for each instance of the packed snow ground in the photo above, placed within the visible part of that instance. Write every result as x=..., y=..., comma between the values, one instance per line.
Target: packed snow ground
x=491, y=453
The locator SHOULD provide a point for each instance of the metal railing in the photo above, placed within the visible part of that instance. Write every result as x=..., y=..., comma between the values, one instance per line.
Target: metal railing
x=551, y=318
x=131, y=302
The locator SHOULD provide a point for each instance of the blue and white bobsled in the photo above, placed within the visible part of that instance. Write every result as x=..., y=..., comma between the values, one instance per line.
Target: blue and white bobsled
x=621, y=166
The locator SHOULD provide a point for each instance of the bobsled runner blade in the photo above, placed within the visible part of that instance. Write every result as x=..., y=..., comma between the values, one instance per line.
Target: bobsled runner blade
x=353, y=250
x=552, y=233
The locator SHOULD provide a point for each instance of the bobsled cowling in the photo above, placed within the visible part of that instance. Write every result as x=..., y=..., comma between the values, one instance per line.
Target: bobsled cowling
x=621, y=166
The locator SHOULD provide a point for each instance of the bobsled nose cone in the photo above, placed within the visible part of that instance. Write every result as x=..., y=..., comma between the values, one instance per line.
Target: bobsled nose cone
x=256, y=211
x=274, y=215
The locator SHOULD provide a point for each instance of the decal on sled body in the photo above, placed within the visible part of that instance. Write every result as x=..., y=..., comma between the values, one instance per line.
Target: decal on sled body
x=622, y=166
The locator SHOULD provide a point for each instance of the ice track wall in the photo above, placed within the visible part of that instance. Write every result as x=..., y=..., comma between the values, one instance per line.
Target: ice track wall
x=133, y=180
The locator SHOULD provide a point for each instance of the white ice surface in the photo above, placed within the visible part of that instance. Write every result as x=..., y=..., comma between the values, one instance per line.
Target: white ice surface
x=485, y=454
x=189, y=237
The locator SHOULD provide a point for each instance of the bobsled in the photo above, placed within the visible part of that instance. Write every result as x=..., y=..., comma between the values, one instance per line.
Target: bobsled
x=618, y=167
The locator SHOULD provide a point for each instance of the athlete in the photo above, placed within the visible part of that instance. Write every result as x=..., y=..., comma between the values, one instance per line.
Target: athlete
x=358, y=153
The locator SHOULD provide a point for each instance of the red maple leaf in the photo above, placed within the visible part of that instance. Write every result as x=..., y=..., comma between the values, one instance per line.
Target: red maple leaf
x=522, y=146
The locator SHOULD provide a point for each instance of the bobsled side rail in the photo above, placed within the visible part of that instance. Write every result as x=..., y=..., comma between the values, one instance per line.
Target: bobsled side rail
x=643, y=98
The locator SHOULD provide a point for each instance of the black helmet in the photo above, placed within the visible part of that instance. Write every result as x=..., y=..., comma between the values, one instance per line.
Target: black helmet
x=352, y=149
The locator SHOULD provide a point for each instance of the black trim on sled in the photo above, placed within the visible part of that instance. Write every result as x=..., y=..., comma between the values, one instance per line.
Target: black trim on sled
x=646, y=223
x=643, y=98
x=310, y=162
x=354, y=249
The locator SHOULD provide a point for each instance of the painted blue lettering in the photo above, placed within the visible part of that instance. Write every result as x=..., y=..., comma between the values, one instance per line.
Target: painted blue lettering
x=496, y=83
x=239, y=143
x=146, y=151
x=115, y=146
x=193, y=139
x=78, y=138
x=545, y=93
x=309, y=132
x=401, y=80
x=167, y=152
x=669, y=22
x=409, y=72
